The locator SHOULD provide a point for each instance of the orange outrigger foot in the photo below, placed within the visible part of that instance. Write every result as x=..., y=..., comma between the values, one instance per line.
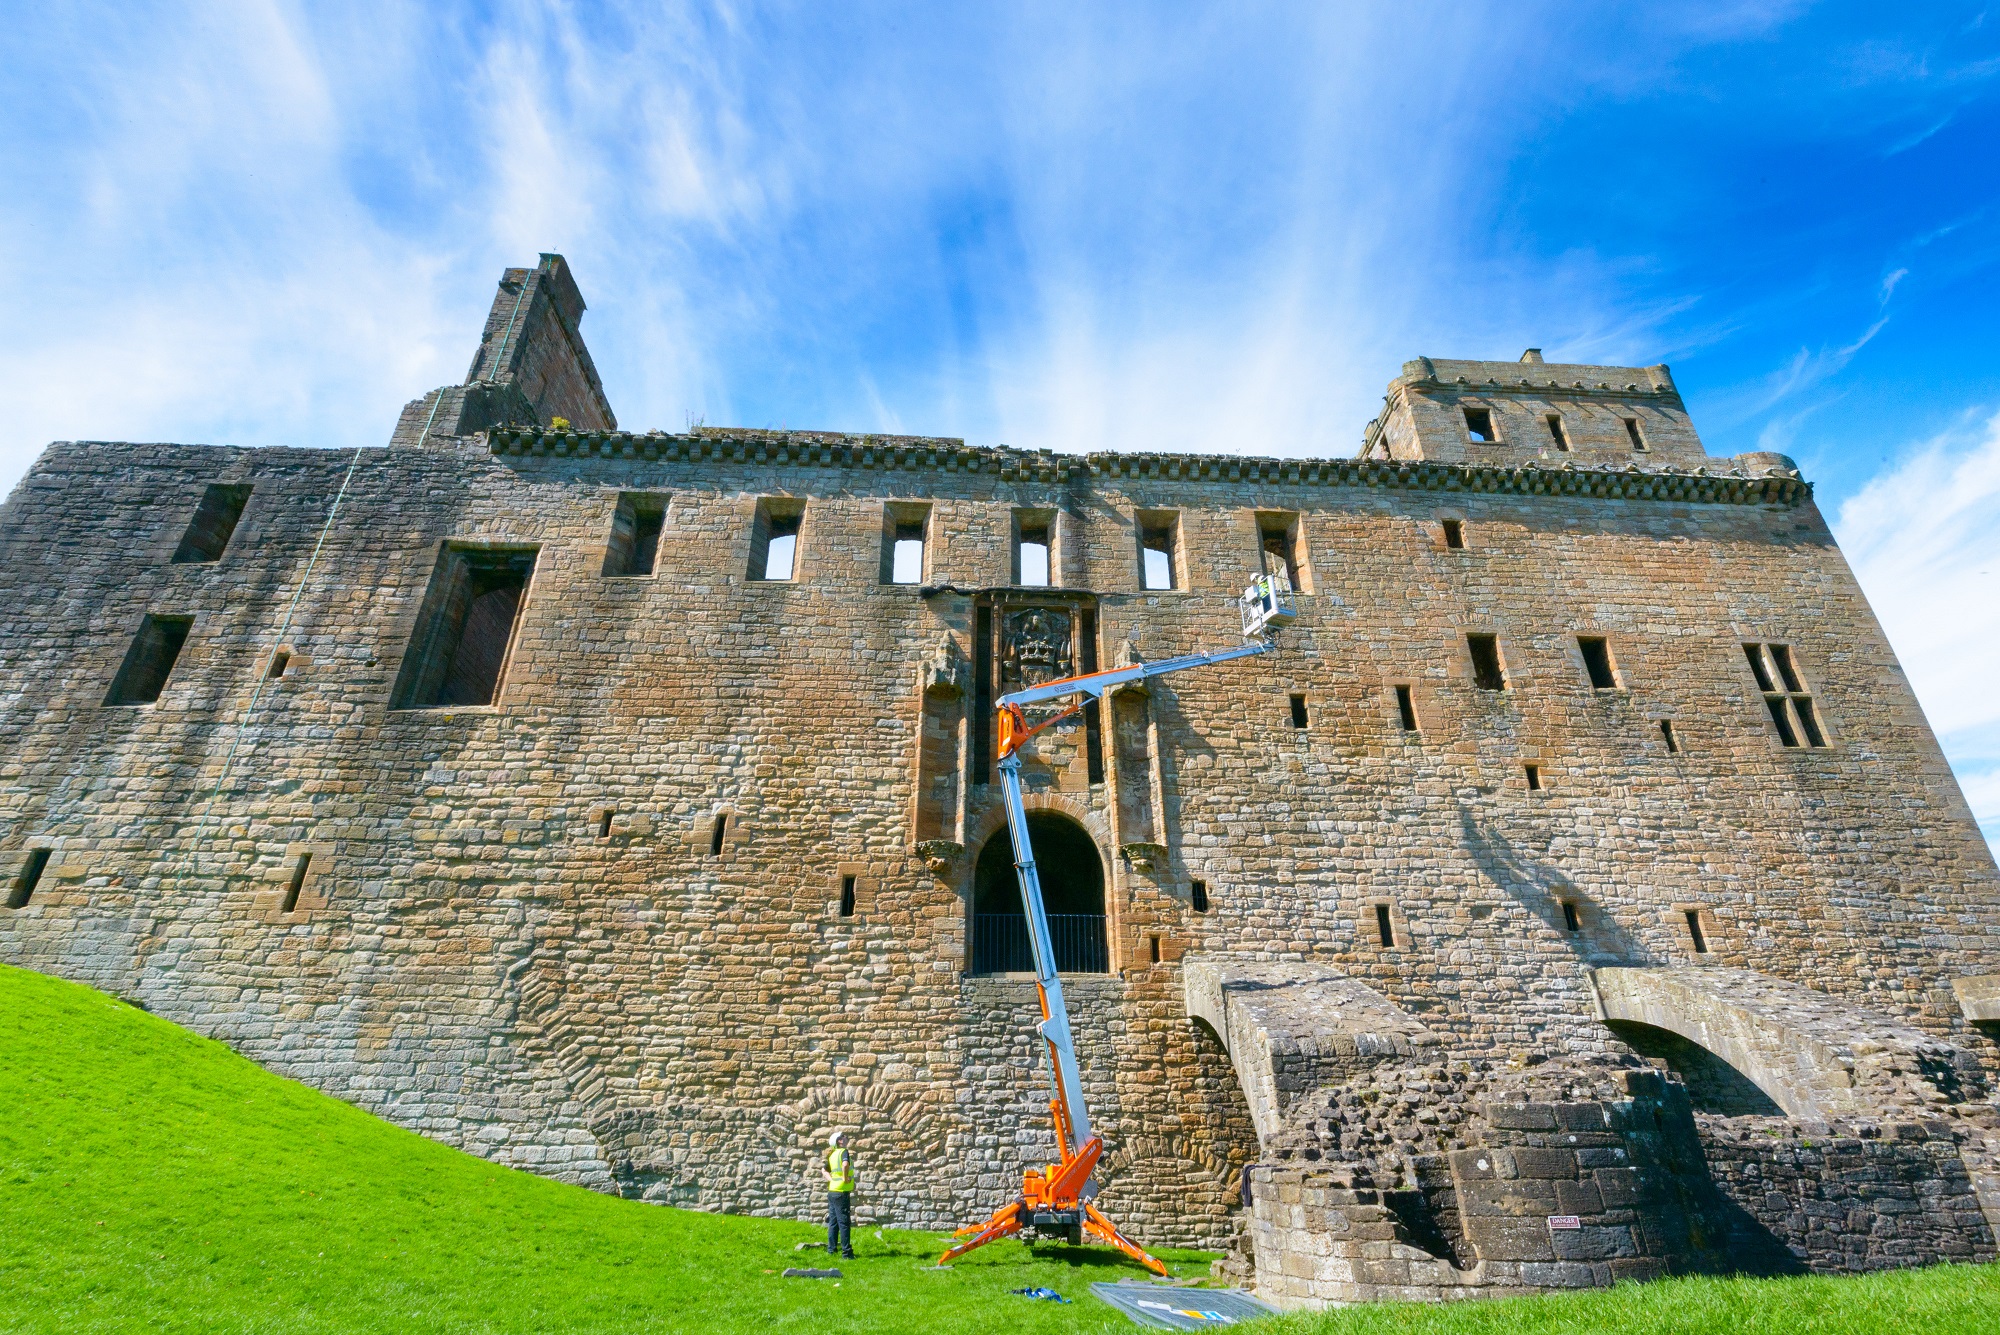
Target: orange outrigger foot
x=1054, y=1200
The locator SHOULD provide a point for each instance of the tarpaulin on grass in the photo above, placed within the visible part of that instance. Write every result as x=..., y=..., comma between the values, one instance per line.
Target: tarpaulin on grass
x=1167, y=1308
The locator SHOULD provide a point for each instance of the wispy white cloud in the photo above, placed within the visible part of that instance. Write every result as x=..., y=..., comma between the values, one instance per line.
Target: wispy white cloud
x=1924, y=540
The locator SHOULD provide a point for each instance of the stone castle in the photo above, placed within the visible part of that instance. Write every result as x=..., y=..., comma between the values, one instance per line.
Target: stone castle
x=1578, y=893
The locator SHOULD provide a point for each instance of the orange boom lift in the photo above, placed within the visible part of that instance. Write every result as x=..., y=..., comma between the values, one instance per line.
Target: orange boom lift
x=1055, y=1200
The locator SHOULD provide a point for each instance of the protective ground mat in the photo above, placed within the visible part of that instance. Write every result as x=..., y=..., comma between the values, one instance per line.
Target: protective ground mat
x=1168, y=1308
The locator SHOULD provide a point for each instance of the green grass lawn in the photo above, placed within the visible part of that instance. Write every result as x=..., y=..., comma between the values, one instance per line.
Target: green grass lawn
x=150, y=1179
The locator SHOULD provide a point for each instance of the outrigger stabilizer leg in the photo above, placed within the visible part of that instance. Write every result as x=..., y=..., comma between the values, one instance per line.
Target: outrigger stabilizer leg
x=1057, y=1199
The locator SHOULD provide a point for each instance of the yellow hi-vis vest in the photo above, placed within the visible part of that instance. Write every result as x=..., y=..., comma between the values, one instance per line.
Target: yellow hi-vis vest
x=839, y=1169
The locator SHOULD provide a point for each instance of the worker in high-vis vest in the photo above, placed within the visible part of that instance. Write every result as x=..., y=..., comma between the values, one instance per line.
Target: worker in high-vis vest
x=839, y=1195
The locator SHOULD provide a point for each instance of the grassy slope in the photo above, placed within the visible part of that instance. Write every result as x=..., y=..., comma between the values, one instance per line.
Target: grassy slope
x=152, y=1179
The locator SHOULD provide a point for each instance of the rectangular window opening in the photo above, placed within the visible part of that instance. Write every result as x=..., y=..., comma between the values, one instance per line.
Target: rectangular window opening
x=1556, y=432
x=214, y=523
x=905, y=538
x=1454, y=534
x=1034, y=548
x=1299, y=716
x=1278, y=536
x=715, y=839
x=1781, y=716
x=1570, y=921
x=774, y=539
x=1406, y=708
x=907, y=562
x=1808, y=720
x=458, y=654
x=1534, y=773
x=1153, y=947
x=781, y=553
x=30, y=877
x=1158, y=559
x=280, y=660
x=1487, y=672
x=847, y=896
x=1695, y=935
x=1667, y=735
x=1479, y=425
x=604, y=823
x=1385, y=930
x=634, y=548
x=298, y=882
x=1597, y=662
x=1198, y=896
x=1632, y=433
x=150, y=660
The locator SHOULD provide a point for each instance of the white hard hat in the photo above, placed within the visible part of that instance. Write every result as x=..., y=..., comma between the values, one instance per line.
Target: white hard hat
x=836, y=1137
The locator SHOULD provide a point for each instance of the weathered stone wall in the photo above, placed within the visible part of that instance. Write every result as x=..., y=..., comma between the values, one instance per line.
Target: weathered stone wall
x=477, y=955
x=1843, y=1199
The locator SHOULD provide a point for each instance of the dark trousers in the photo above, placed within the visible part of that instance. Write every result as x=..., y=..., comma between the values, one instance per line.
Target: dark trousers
x=839, y=1222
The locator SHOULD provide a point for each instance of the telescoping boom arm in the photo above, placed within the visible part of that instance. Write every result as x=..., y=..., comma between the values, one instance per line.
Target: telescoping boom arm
x=1059, y=1198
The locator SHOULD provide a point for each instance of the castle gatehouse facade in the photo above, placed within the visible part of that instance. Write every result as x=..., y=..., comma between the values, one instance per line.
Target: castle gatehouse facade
x=1577, y=893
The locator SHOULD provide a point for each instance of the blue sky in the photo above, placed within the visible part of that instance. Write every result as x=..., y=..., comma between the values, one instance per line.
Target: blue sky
x=1154, y=225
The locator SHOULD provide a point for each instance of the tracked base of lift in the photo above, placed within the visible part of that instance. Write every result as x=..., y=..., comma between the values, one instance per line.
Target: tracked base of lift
x=1056, y=1200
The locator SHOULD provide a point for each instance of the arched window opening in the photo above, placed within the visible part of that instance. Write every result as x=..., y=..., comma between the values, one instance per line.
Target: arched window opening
x=1713, y=1085
x=1072, y=877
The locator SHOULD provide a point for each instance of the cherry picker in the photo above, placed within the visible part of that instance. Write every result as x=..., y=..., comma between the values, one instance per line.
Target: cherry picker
x=1056, y=1200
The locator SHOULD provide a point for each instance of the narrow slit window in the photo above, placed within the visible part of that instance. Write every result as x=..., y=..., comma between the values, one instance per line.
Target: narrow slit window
x=1571, y=923
x=1781, y=654
x=1534, y=776
x=1198, y=896
x=1032, y=552
x=1696, y=937
x=30, y=877
x=298, y=882
x=604, y=823
x=280, y=660
x=1479, y=425
x=1454, y=534
x=1487, y=671
x=1758, y=667
x=847, y=896
x=1668, y=736
x=1781, y=717
x=1300, y=719
x=1597, y=662
x=1556, y=432
x=1632, y=433
x=634, y=548
x=1385, y=930
x=150, y=660
x=715, y=838
x=1808, y=720
x=1153, y=948
x=1406, y=709
x=1156, y=553
x=458, y=655
x=214, y=523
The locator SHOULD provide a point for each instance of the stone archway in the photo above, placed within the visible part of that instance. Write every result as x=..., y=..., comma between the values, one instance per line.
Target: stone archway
x=1816, y=1056
x=1071, y=870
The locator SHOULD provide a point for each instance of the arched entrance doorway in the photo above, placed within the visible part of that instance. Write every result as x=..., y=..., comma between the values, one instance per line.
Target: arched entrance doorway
x=1072, y=876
